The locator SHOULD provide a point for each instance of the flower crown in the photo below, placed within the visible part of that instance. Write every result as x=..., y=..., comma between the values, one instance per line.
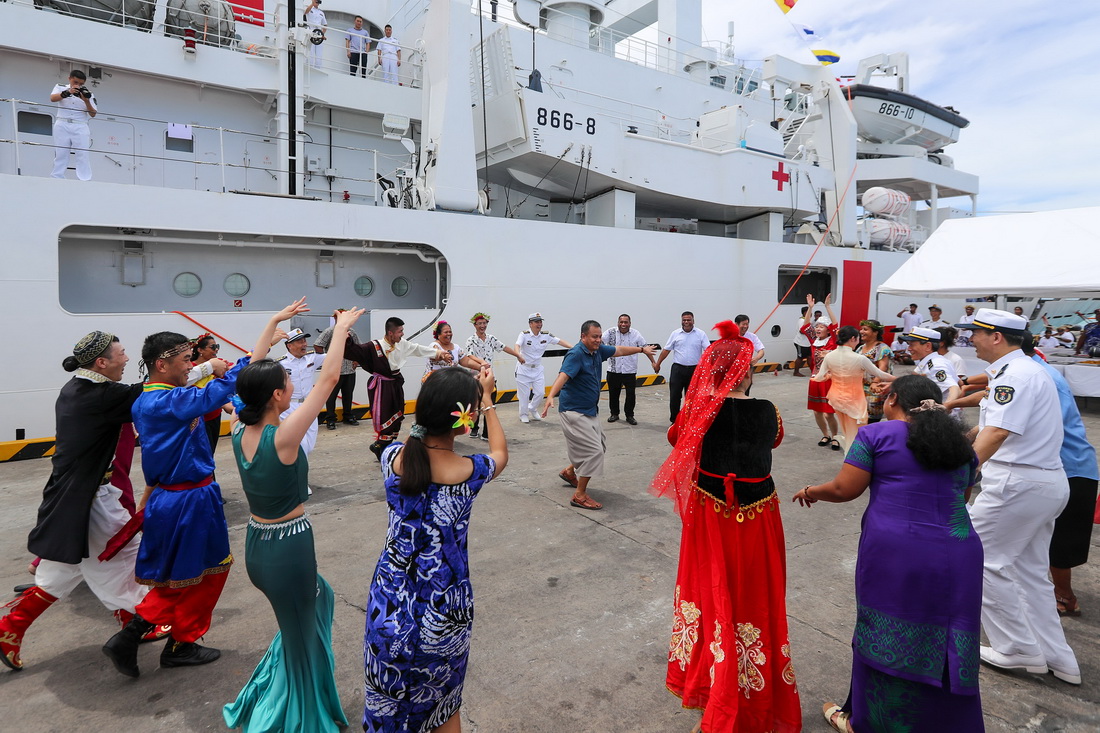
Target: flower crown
x=479, y=314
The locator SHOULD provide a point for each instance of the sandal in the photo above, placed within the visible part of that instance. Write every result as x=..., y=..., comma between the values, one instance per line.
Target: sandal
x=824, y=441
x=570, y=479
x=834, y=443
x=837, y=718
x=586, y=502
x=1068, y=606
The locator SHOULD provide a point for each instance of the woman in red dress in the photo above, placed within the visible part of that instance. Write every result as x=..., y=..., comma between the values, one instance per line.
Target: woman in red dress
x=822, y=336
x=730, y=653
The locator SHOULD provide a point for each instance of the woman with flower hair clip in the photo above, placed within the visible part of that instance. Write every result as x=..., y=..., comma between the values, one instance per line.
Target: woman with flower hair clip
x=420, y=607
x=729, y=655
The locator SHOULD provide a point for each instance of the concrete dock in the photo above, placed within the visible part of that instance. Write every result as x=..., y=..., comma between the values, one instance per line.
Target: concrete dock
x=573, y=607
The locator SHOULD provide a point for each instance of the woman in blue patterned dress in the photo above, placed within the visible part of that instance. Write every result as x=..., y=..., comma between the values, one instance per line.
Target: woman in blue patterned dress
x=420, y=607
x=918, y=570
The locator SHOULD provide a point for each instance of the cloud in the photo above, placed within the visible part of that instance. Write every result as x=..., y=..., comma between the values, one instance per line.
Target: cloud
x=1022, y=72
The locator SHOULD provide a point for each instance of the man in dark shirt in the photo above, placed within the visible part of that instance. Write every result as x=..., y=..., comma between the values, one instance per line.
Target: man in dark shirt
x=80, y=508
x=579, y=384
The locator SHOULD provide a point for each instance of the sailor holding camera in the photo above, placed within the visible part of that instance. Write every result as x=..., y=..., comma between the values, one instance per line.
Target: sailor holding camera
x=318, y=27
x=75, y=106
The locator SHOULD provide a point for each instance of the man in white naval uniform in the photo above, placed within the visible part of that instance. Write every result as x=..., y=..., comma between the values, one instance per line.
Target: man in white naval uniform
x=530, y=380
x=301, y=364
x=75, y=106
x=935, y=318
x=1024, y=489
x=315, y=20
x=923, y=345
x=389, y=56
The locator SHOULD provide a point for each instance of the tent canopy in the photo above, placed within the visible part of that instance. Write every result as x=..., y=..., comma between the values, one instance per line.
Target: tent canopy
x=1050, y=254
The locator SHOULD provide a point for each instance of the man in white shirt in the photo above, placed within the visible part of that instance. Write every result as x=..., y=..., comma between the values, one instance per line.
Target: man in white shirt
x=910, y=318
x=963, y=338
x=923, y=343
x=358, y=47
x=622, y=371
x=301, y=363
x=742, y=322
x=1024, y=489
x=484, y=346
x=75, y=106
x=686, y=344
x=530, y=379
x=389, y=56
x=315, y=20
x=935, y=319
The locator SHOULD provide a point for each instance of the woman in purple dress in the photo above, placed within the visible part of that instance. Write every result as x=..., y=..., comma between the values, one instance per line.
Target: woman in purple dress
x=918, y=570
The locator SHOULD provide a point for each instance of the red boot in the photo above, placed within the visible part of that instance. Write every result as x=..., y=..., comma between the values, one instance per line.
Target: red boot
x=24, y=610
x=157, y=632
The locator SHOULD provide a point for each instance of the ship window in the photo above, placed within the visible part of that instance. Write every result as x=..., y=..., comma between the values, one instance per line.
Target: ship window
x=178, y=145
x=236, y=285
x=816, y=281
x=34, y=123
x=400, y=287
x=364, y=286
x=187, y=285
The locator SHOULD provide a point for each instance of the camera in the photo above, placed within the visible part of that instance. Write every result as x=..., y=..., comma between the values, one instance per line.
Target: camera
x=85, y=92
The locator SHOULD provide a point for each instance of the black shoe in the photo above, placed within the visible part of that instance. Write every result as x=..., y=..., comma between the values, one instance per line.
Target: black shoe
x=376, y=448
x=331, y=424
x=631, y=420
x=613, y=418
x=122, y=648
x=186, y=654
x=473, y=434
x=350, y=421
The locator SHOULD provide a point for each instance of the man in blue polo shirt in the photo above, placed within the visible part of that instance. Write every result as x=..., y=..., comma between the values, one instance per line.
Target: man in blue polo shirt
x=579, y=384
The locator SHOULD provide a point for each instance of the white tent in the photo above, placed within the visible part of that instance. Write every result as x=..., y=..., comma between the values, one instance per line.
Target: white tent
x=1051, y=254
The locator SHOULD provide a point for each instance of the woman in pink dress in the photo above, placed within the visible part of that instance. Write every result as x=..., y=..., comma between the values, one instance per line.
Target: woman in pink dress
x=844, y=369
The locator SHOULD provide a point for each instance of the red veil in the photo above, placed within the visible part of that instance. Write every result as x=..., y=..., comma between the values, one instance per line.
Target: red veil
x=722, y=367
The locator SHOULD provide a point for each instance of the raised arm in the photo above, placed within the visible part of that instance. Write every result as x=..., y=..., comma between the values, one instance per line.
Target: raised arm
x=498, y=445
x=263, y=343
x=829, y=310
x=291, y=431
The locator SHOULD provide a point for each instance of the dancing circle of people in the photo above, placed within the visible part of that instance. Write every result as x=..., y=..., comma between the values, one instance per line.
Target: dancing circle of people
x=933, y=568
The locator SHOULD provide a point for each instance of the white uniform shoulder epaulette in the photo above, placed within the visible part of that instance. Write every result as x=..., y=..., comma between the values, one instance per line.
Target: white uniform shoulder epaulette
x=282, y=358
x=546, y=333
x=527, y=331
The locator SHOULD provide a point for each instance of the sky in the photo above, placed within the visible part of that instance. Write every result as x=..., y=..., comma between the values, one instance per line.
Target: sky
x=1020, y=70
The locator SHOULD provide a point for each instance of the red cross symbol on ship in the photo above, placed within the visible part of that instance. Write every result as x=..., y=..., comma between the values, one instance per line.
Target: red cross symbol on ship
x=781, y=177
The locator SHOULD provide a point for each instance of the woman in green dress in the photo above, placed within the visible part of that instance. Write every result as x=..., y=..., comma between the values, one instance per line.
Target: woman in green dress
x=293, y=687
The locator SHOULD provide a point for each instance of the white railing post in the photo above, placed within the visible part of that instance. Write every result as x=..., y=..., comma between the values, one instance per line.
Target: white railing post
x=15, y=131
x=221, y=154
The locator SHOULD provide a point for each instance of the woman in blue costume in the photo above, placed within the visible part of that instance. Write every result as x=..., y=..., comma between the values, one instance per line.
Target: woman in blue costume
x=918, y=570
x=420, y=608
x=293, y=688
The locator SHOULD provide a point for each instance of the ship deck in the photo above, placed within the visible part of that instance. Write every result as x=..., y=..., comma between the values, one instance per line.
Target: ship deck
x=573, y=607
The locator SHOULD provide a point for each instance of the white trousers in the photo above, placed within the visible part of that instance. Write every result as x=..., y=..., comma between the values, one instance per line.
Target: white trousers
x=78, y=137
x=315, y=55
x=527, y=383
x=1014, y=516
x=112, y=581
x=309, y=440
x=389, y=69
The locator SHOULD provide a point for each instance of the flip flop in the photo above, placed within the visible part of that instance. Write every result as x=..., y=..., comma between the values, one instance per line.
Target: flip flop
x=586, y=503
x=837, y=718
x=1068, y=606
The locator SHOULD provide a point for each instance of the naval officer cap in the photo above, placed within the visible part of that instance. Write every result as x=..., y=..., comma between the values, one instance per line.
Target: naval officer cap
x=296, y=335
x=536, y=316
x=994, y=320
x=922, y=334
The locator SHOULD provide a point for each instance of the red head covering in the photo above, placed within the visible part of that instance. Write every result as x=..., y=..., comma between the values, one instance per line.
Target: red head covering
x=722, y=367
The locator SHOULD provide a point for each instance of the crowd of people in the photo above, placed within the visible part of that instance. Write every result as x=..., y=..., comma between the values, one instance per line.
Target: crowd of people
x=933, y=569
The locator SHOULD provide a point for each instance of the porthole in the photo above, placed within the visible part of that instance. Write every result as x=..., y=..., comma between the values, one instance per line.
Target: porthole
x=187, y=285
x=237, y=285
x=400, y=287
x=364, y=286
x=776, y=330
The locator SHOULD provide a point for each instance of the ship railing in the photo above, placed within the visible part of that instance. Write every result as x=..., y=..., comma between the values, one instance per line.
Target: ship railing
x=710, y=67
x=30, y=140
x=152, y=16
x=410, y=73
